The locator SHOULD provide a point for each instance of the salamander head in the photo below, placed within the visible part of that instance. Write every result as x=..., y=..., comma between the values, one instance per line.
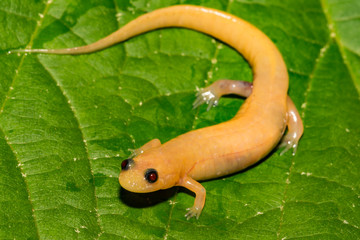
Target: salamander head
x=144, y=174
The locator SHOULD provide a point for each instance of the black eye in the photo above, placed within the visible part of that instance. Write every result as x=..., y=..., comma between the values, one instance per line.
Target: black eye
x=151, y=175
x=126, y=164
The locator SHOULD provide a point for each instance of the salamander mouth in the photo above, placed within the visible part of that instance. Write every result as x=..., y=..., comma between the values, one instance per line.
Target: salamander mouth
x=133, y=182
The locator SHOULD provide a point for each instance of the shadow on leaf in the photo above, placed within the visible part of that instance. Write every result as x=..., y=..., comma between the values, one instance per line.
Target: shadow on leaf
x=143, y=200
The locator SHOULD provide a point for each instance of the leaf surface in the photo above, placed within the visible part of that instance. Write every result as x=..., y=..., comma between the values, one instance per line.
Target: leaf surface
x=67, y=122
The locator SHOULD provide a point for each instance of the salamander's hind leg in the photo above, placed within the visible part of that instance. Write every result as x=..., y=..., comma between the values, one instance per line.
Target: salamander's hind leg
x=211, y=94
x=295, y=129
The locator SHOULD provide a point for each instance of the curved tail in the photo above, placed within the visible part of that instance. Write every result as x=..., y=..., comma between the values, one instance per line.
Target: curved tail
x=270, y=73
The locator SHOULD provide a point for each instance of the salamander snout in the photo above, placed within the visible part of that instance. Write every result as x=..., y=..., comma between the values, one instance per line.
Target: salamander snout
x=138, y=176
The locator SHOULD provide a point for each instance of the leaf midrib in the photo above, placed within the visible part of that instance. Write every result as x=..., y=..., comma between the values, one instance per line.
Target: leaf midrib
x=335, y=35
x=7, y=96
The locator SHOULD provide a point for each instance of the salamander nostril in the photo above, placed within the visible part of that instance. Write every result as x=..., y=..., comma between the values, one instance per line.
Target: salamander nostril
x=126, y=164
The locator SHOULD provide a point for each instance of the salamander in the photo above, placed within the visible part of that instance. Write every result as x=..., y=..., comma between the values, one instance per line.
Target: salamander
x=228, y=147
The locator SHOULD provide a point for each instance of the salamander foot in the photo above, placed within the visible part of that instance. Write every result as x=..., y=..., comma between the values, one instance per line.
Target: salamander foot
x=193, y=212
x=290, y=141
x=208, y=96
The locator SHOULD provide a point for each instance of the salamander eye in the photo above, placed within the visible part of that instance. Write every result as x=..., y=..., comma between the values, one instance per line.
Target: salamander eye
x=151, y=175
x=126, y=164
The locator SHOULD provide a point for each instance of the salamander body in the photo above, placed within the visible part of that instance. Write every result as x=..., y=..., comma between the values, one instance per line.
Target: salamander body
x=225, y=148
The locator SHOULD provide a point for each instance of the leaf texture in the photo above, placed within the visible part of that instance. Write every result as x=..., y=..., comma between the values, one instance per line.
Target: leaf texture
x=66, y=122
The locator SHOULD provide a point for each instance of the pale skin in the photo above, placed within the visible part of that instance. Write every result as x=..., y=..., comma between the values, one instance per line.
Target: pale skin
x=225, y=148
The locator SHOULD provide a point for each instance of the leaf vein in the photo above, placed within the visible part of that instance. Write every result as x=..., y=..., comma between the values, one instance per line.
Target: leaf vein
x=330, y=181
x=17, y=14
x=3, y=106
x=23, y=174
x=335, y=35
x=167, y=228
x=302, y=114
x=77, y=119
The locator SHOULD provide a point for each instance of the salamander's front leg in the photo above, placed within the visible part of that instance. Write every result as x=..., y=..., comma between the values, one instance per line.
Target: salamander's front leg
x=295, y=129
x=151, y=144
x=200, y=194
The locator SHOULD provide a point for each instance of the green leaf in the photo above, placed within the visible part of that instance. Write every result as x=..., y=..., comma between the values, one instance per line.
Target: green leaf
x=66, y=122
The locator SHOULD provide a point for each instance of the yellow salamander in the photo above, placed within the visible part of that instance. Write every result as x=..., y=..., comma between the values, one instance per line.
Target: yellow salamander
x=225, y=148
